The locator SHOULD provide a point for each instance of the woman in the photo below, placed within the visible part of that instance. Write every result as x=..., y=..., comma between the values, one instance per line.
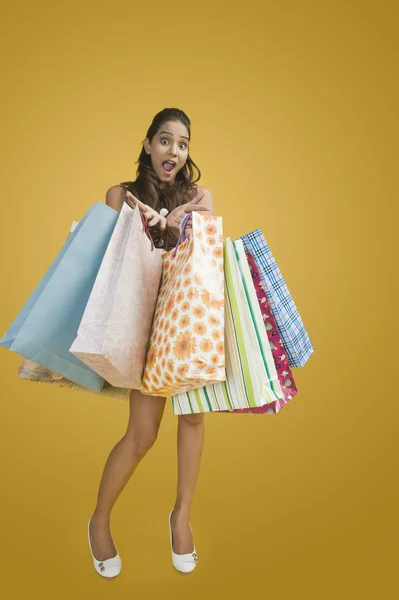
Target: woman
x=164, y=185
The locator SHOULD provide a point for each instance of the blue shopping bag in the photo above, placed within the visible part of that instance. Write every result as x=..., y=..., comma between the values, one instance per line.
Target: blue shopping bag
x=47, y=325
x=295, y=338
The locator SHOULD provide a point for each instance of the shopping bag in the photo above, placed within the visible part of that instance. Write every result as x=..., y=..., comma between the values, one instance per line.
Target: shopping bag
x=46, y=326
x=280, y=358
x=31, y=371
x=114, y=331
x=28, y=369
x=251, y=377
x=297, y=343
x=186, y=348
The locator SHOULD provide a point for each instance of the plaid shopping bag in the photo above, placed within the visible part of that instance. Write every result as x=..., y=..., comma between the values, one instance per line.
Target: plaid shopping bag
x=297, y=343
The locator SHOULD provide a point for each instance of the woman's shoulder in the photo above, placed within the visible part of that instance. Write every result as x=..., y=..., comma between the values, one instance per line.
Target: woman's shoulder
x=115, y=196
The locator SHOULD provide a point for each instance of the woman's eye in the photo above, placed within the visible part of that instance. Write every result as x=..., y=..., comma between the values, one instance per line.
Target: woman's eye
x=183, y=146
x=164, y=140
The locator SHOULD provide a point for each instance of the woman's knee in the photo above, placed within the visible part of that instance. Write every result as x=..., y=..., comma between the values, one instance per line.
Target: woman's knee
x=144, y=421
x=141, y=440
x=194, y=419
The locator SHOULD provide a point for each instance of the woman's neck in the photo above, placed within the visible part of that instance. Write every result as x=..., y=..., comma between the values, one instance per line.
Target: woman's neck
x=163, y=185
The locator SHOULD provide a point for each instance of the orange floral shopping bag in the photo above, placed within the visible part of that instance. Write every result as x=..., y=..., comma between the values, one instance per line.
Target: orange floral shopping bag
x=186, y=348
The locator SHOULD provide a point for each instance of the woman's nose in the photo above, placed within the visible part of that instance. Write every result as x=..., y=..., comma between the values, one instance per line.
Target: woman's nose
x=173, y=149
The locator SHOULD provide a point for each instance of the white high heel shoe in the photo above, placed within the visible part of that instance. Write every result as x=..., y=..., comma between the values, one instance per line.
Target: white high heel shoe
x=185, y=563
x=111, y=567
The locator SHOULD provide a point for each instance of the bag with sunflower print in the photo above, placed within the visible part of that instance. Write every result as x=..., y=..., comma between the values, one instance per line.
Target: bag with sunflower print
x=186, y=348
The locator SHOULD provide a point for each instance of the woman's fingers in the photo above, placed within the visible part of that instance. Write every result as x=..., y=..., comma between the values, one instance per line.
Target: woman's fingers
x=143, y=207
x=155, y=220
x=196, y=200
x=136, y=202
x=132, y=198
x=193, y=207
x=152, y=221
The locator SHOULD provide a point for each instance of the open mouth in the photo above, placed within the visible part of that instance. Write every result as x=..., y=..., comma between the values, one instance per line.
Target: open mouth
x=168, y=166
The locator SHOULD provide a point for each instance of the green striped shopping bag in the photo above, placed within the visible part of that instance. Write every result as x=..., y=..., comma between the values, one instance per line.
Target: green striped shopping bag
x=251, y=376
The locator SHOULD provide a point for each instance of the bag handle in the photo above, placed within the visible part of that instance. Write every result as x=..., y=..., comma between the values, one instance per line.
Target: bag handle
x=146, y=230
x=144, y=222
x=182, y=236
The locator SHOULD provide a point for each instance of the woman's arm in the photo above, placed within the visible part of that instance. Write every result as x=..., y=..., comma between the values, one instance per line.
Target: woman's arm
x=115, y=197
x=204, y=205
x=207, y=200
x=201, y=201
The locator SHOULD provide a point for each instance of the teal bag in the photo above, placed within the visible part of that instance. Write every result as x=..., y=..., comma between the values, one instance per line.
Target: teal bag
x=47, y=325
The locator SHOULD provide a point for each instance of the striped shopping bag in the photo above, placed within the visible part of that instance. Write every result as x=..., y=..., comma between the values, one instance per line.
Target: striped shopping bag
x=251, y=376
x=280, y=358
x=295, y=338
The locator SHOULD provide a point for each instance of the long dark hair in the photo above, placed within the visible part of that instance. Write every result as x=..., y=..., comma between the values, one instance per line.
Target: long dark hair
x=146, y=187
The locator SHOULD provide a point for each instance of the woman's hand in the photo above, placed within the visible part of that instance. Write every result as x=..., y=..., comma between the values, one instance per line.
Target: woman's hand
x=177, y=215
x=153, y=217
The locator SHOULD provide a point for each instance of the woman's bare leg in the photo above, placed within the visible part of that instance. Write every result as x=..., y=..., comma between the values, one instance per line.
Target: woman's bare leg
x=190, y=441
x=142, y=430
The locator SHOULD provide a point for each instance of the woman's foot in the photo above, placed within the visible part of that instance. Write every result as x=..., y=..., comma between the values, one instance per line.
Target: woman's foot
x=183, y=541
x=101, y=541
x=184, y=556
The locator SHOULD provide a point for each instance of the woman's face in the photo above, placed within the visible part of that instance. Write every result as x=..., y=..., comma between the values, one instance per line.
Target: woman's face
x=169, y=150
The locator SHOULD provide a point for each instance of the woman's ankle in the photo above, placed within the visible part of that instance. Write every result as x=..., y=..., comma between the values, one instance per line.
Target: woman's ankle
x=182, y=511
x=100, y=517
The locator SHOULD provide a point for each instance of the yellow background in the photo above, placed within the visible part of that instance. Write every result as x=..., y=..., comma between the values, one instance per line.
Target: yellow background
x=295, y=128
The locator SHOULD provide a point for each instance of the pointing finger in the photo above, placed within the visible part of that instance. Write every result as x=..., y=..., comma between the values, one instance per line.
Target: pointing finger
x=136, y=202
x=195, y=208
x=196, y=200
x=131, y=197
